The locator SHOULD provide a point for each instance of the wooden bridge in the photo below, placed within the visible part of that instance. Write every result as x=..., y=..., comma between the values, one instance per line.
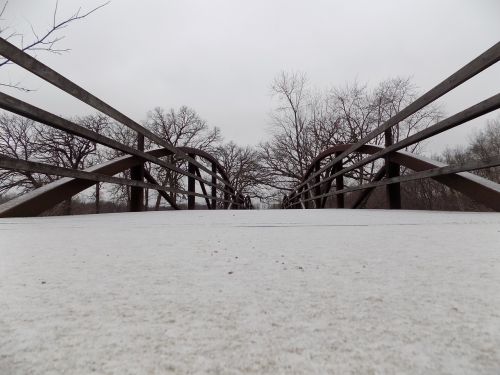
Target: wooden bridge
x=323, y=179
x=250, y=291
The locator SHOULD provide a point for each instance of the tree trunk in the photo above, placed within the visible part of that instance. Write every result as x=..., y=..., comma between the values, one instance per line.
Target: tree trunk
x=157, y=204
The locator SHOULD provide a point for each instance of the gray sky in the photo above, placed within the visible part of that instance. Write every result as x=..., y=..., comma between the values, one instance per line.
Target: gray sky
x=220, y=57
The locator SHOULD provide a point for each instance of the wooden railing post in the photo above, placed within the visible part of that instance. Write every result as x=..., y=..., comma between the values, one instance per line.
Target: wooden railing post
x=97, y=197
x=393, y=191
x=214, y=189
x=191, y=184
x=137, y=173
x=339, y=182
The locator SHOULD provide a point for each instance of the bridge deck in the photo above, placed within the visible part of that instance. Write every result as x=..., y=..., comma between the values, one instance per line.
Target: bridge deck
x=296, y=291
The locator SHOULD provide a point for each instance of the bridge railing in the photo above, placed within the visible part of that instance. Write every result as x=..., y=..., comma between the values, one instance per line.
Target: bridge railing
x=318, y=185
x=221, y=194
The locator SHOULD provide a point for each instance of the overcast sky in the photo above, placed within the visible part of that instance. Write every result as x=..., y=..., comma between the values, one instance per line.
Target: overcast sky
x=220, y=57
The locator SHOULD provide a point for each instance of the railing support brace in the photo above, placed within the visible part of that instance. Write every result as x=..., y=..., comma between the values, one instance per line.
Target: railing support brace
x=214, y=189
x=191, y=184
x=137, y=173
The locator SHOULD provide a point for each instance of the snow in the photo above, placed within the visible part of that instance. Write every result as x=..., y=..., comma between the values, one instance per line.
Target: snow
x=263, y=292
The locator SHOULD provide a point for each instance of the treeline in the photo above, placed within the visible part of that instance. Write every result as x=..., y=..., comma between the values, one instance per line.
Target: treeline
x=304, y=123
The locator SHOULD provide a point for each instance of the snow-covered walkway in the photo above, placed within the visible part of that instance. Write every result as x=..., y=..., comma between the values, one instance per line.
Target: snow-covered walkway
x=229, y=292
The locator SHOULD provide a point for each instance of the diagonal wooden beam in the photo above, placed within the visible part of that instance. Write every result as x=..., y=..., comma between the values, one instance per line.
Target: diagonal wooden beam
x=365, y=194
x=164, y=194
x=202, y=185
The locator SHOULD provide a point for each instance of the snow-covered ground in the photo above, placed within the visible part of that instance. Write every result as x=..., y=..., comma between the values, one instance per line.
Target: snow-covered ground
x=276, y=292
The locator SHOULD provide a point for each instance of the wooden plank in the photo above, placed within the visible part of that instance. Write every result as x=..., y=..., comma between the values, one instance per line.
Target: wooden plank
x=163, y=193
x=137, y=173
x=203, y=189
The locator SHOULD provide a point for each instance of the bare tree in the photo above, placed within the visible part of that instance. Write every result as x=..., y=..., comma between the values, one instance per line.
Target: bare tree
x=24, y=139
x=119, y=194
x=18, y=140
x=284, y=156
x=181, y=128
x=57, y=147
x=242, y=165
x=361, y=110
x=304, y=124
x=47, y=41
x=484, y=144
